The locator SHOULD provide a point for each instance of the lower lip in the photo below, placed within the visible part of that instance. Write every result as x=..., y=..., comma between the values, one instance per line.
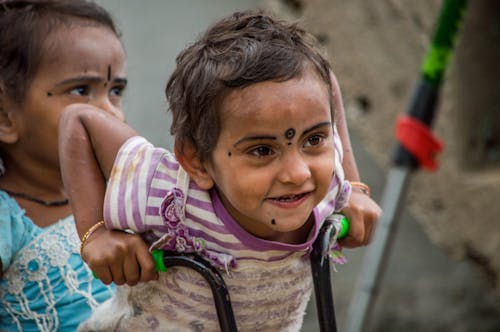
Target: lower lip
x=290, y=204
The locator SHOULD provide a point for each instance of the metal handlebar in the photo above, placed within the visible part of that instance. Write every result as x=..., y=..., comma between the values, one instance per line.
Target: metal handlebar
x=320, y=266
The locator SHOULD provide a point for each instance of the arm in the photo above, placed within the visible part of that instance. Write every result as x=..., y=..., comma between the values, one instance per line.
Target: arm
x=89, y=140
x=361, y=210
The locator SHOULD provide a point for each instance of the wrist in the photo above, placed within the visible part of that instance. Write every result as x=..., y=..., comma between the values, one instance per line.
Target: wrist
x=89, y=233
x=360, y=187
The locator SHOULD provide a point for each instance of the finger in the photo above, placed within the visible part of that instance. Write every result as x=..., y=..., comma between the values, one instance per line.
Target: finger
x=104, y=274
x=147, y=266
x=354, y=237
x=357, y=234
x=370, y=230
x=371, y=224
x=131, y=270
x=117, y=272
x=349, y=242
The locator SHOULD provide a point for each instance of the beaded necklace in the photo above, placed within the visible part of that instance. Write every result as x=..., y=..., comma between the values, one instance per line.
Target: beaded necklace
x=61, y=202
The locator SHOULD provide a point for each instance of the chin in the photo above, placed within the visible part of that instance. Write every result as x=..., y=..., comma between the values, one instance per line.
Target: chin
x=286, y=227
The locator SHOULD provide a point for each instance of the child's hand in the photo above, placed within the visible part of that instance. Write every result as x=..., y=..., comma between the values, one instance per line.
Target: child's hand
x=119, y=257
x=363, y=214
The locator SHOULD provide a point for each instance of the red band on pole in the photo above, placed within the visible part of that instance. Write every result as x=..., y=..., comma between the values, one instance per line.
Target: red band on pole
x=419, y=140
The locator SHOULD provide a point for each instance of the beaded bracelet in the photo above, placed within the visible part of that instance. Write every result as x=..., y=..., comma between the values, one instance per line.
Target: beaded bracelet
x=86, y=236
x=362, y=187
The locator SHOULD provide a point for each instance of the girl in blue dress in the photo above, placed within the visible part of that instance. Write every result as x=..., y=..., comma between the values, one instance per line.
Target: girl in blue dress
x=52, y=54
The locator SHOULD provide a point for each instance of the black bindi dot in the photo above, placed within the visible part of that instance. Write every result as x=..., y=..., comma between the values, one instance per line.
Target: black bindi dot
x=49, y=94
x=290, y=133
x=273, y=222
x=229, y=154
x=109, y=72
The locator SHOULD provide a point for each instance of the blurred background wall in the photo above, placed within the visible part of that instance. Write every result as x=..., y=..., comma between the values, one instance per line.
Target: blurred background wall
x=443, y=270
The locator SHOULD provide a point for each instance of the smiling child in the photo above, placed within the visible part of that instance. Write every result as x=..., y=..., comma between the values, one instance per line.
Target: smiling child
x=256, y=169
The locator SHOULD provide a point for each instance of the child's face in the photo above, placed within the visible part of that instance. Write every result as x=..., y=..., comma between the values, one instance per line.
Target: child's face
x=81, y=64
x=274, y=159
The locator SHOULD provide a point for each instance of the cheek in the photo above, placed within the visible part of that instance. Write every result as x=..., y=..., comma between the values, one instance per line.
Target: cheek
x=244, y=186
x=324, y=170
x=246, y=189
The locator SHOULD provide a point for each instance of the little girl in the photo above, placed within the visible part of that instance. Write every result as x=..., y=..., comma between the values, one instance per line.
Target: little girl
x=257, y=169
x=52, y=53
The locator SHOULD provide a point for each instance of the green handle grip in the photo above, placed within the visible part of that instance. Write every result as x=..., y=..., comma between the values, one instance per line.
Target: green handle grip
x=344, y=228
x=158, y=258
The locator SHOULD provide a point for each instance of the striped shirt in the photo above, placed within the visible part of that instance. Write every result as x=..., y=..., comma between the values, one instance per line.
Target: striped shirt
x=269, y=281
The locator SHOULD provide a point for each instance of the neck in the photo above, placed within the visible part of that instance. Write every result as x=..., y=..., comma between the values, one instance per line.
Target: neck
x=36, y=181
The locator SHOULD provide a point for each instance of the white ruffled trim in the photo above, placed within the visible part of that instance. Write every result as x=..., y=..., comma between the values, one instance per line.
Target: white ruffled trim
x=50, y=249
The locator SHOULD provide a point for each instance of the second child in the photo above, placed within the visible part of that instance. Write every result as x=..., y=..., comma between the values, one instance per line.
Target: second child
x=52, y=53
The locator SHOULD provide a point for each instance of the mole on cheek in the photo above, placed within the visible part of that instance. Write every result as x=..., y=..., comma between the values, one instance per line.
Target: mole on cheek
x=273, y=221
x=229, y=154
x=49, y=94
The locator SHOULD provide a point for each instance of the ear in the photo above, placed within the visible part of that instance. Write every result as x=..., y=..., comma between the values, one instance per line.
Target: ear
x=8, y=128
x=187, y=156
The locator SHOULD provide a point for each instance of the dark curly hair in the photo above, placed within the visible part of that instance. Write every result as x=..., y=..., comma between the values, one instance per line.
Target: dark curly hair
x=243, y=49
x=24, y=27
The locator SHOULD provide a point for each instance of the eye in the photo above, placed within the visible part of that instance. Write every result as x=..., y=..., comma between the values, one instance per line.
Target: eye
x=80, y=91
x=117, y=91
x=261, y=151
x=314, y=140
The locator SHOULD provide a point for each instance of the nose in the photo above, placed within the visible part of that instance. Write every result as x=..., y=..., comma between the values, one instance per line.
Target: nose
x=109, y=107
x=295, y=168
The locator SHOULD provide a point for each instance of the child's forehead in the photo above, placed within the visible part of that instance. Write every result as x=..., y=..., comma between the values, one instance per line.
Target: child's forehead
x=274, y=93
x=68, y=36
x=79, y=41
x=275, y=103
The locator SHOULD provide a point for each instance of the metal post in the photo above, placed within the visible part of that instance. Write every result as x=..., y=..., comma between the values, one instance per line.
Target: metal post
x=320, y=266
x=220, y=293
x=409, y=157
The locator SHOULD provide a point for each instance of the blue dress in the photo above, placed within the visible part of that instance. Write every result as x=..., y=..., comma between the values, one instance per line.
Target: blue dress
x=45, y=286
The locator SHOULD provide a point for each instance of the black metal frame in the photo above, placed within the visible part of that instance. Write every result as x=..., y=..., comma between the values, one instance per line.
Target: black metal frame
x=220, y=293
x=320, y=266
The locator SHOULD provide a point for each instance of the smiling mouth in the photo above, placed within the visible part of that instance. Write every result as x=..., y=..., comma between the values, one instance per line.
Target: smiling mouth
x=290, y=198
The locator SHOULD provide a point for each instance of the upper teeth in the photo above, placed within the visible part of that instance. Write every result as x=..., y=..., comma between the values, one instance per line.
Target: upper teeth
x=286, y=198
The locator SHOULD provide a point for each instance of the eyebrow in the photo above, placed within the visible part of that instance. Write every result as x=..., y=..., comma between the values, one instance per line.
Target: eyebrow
x=264, y=137
x=254, y=138
x=80, y=79
x=319, y=125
